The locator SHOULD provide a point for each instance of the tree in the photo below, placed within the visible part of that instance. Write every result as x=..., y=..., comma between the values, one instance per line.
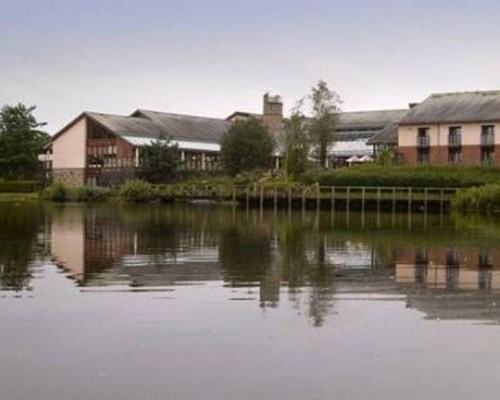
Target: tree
x=325, y=107
x=161, y=161
x=296, y=144
x=246, y=146
x=21, y=141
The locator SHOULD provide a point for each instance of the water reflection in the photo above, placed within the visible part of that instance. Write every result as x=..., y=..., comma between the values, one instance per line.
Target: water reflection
x=20, y=243
x=446, y=268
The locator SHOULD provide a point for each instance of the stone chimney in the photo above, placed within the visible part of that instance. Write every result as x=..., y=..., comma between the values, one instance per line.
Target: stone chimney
x=272, y=116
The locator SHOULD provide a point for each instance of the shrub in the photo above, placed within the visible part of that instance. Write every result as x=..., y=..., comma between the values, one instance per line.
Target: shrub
x=56, y=192
x=484, y=198
x=90, y=194
x=136, y=191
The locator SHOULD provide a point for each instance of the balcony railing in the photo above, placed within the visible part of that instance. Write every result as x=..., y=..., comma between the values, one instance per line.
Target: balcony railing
x=423, y=141
x=487, y=139
x=454, y=140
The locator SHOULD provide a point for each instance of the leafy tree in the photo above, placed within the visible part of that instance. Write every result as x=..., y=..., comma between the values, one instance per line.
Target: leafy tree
x=325, y=107
x=21, y=141
x=246, y=146
x=161, y=161
x=296, y=144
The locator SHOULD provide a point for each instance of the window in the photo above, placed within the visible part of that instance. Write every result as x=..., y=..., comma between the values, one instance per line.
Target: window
x=455, y=136
x=423, y=137
x=487, y=135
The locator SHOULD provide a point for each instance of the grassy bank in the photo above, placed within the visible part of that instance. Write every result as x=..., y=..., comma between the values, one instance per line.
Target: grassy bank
x=483, y=183
x=18, y=197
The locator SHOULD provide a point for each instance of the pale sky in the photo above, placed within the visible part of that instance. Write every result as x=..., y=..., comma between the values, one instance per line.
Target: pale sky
x=213, y=57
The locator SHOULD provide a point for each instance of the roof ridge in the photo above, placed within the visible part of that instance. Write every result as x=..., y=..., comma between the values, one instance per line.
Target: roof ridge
x=374, y=111
x=178, y=114
x=483, y=92
x=91, y=113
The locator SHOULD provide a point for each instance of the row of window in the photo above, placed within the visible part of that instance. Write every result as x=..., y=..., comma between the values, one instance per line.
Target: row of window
x=110, y=149
x=487, y=137
x=487, y=155
x=193, y=161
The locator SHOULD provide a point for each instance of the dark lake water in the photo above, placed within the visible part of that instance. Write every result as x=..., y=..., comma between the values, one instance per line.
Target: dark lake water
x=201, y=302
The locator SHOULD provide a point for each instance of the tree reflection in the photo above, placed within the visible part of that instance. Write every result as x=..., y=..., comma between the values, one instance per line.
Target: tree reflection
x=306, y=268
x=19, y=227
x=244, y=255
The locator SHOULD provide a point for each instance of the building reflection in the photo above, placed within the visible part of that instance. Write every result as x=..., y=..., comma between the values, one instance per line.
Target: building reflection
x=450, y=268
x=299, y=261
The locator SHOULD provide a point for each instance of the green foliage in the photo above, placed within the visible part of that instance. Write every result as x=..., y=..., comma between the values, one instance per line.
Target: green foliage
x=56, y=192
x=21, y=142
x=296, y=145
x=18, y=186
x=405, y=176
x=246, y=146
x=483, y=198
x=90, y=194
x=161, y=161
x=325, y=106
x=385, y=158
x=136, y=191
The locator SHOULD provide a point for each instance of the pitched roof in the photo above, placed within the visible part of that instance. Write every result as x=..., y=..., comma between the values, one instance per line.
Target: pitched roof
x=482, y=106
x=187, y=127
x=244, y=114
x=367, y=125
x=373, y=120
x=122, y=125
x=388, y=135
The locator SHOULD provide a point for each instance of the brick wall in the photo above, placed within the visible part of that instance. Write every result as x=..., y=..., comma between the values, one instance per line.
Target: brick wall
x=470, y=155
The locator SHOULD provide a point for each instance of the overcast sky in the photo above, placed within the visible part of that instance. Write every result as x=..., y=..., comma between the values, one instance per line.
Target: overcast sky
x=211, y=57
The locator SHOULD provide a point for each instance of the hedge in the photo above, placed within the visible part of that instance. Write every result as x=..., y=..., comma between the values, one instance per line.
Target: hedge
x=19, y=186
x=406, y=176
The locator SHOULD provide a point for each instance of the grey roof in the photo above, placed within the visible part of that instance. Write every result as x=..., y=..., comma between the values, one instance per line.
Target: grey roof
x=368, y=125
x=152, y=124
x=186, y=127
x=244, y=114
x=483, y=106
x=372, y=120
x=351, y=126
x=388, y=135
x=122, y=125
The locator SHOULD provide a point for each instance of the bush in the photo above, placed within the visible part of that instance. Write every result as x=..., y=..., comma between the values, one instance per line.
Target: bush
x=484, y=198
x=56, y=192
x=136, y=191
x=405, y=176
x=90, y=194
x=19, y=186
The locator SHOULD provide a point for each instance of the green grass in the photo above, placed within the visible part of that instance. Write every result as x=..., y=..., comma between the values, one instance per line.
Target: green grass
x=18, y=197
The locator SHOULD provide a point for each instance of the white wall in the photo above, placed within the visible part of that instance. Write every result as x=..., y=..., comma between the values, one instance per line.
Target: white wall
x=471, y=134
x=69, y=149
